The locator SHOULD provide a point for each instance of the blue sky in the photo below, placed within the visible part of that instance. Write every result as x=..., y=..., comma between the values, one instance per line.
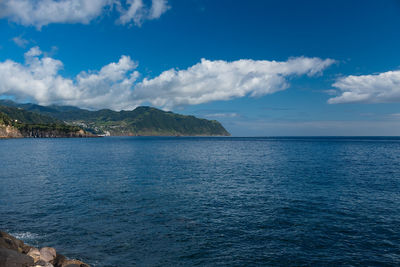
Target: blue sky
x=259, y=67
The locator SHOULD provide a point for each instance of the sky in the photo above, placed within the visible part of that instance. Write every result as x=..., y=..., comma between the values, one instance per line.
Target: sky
x=261, y=68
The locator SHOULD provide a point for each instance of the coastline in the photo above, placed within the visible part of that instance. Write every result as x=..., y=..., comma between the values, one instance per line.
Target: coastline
x=100, y=136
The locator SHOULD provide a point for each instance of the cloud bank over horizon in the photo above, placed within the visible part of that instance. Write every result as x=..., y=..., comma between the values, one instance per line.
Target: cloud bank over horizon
x=117, y=85
x=39, y=13
x=376, y=88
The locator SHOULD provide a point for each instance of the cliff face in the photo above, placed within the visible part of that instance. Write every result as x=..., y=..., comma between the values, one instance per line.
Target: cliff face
x=7, y=131
x=38, y=133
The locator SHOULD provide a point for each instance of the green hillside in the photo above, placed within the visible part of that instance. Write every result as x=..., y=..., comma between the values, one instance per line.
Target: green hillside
x=31, y=124
x=140, y=121
x=27, y=117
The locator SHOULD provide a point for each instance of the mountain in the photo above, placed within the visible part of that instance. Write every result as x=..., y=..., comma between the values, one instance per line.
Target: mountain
x=27, y=117
x=17, y=122
x=142, y=121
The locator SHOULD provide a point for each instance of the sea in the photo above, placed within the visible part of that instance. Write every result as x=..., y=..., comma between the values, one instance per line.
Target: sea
x=206, y=201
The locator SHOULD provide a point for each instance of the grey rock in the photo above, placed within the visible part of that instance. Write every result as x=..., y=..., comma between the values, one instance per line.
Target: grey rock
x=12, y=258
x=74, y=263
x=58, y=261
x=47, y=254
x=34, y=253
x=42, y=263
x=10, y=242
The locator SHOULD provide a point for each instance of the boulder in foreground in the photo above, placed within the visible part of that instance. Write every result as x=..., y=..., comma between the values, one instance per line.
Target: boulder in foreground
x=15, y=253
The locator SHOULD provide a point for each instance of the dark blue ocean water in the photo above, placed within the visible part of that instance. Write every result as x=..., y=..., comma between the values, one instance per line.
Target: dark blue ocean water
x=206, y=201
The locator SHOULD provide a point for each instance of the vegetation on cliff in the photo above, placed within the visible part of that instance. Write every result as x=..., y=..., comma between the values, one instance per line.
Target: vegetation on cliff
x=16, y=122
x=4, y=119
x=140, y=121
x=27, y=117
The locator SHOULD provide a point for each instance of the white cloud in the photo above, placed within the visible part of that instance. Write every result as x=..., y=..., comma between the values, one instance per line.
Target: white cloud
x=21, y=42
x=39, y=13
x=134, y=12
x=38, y=79
x=137, y=11
x=158, y=8
x=43, y=12
x=221, y=80
x=376, y=88
x=116, y=85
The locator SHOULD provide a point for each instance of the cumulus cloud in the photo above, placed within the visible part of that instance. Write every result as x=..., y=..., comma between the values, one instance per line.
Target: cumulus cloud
x=116, y=85
x=38, y=79
x=43, y=12
x=376, y=88
x=221, y=80
x=39, y=13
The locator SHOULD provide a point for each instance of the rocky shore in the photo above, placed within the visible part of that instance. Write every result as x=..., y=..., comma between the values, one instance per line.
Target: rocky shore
x=15, y=253
x=42, y=131
x=7, y=131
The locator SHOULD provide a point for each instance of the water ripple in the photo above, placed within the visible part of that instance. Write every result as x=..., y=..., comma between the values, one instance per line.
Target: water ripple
x=206, y=201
